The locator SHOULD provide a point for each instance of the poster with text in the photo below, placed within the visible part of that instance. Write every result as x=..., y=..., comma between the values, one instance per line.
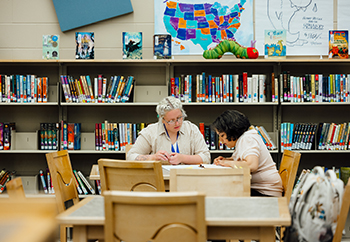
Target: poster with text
x=307, y=24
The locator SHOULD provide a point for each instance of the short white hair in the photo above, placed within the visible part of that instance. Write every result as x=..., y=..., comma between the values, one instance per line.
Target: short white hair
x=168, y=104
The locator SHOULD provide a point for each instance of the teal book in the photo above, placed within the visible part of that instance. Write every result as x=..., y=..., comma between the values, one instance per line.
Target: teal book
x=132, y=45
x=85, y=45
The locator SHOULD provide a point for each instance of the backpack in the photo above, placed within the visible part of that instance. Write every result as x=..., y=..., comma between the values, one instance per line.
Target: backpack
x=314, y=207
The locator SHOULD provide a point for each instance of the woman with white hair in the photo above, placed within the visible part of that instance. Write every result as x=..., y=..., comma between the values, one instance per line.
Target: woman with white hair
x=172, y=140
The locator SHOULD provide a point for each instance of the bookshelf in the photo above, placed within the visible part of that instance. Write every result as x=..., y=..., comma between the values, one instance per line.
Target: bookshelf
x=151, y=85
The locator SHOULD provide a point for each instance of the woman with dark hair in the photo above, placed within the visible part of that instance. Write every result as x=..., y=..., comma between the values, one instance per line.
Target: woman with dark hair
x=235, y=131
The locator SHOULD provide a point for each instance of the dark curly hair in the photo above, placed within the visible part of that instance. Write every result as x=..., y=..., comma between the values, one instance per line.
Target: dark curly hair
x=233, y=123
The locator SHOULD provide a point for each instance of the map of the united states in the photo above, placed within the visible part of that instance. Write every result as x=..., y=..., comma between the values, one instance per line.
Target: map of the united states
x=203, y=23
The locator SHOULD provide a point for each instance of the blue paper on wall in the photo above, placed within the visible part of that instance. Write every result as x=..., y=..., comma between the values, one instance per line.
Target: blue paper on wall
x=72, y=14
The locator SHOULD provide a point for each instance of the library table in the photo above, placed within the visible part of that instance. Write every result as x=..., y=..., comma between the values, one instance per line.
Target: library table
x=226, y=218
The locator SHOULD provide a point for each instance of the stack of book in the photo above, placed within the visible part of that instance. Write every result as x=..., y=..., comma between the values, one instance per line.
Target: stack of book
x=115, y=136
x=70, y=136
x=299, y=136
x=84, y=187
x=49, y=136
x=314, y=88
x=224, y=88
x=24, y=89
x=334, y=136
x=83, y=90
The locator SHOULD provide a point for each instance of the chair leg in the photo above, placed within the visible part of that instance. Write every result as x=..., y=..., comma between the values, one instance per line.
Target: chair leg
x=63, y=233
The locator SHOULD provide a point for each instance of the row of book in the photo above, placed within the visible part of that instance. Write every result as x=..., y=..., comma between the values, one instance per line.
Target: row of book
x=299, y=136
x=212, y=139
x=314, y=88
x=84, y=187
x=49, y=136
x=70, y=136
x=334, y=136
x=224, y=88
x=24, y=89
x=5, y=135
x=83, y=90
x=320, y=136
x=115, y=136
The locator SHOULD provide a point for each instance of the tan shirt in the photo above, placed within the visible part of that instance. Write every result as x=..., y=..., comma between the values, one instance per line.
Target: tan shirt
x=154, y=138
x=266, y=179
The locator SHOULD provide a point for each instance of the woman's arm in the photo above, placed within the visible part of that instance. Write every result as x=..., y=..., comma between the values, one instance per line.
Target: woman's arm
x=251, y=160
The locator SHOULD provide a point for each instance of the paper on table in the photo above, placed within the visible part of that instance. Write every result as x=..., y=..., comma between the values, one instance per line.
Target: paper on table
x=168, y=167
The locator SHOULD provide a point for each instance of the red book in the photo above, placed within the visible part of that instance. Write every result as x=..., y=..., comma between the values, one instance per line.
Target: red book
x=172, y=84
x=97, y=142
x=245, y=87
x=201, y=128
x=70, y=128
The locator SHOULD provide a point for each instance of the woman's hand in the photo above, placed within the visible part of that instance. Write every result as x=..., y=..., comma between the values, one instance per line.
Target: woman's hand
x=175, y=158
x=218, y=159
x=161, y=155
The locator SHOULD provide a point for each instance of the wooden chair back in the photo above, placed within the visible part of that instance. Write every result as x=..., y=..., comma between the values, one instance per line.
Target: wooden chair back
x=127, y=148
x=343, y=214
x=288, y=171
x=122, y=175
x=29, y=219
x=63, y=182
x=15, y=189
x=213, y=181
x=154, y=216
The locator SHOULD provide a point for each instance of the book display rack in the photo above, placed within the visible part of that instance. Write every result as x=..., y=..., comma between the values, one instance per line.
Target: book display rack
x=151, y=84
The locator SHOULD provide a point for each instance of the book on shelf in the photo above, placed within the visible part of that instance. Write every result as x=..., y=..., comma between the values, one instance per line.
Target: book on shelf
x=275, y=43
x=43, y=181
x=315, y=88
x=24, y=89
x=83, y=90
x=225, y=88
x=114, y=136
x=132, y=45
x=318, y=136
x=162, y=46
x=81, y=184
x=51, y=47
x=86, y=183
x=70, y=136
x=85, y=45
x=338, y=44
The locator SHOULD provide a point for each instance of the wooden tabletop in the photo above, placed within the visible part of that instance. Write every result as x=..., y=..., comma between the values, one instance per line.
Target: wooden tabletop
x=220, y=211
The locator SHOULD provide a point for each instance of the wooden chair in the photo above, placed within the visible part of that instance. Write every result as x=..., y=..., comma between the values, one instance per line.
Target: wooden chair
x=288, y=171
x=122, y=175
x=63, y=182
x=30, y=219
x=154, y=216
x=15, y=189
x=343, y=214
x=212, y=181
x=127, y=148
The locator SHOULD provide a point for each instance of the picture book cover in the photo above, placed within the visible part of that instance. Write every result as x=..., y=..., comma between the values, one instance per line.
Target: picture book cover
x=338, y=44
x=162, y=46
x=275, y=43
x=50, y=47
x=132, y=45
x=85, y=45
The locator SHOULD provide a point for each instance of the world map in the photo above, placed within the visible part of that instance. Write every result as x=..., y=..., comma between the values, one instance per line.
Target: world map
x=203, y=24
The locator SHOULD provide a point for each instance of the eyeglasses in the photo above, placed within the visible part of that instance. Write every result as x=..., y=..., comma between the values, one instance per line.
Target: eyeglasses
x=172, y=122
